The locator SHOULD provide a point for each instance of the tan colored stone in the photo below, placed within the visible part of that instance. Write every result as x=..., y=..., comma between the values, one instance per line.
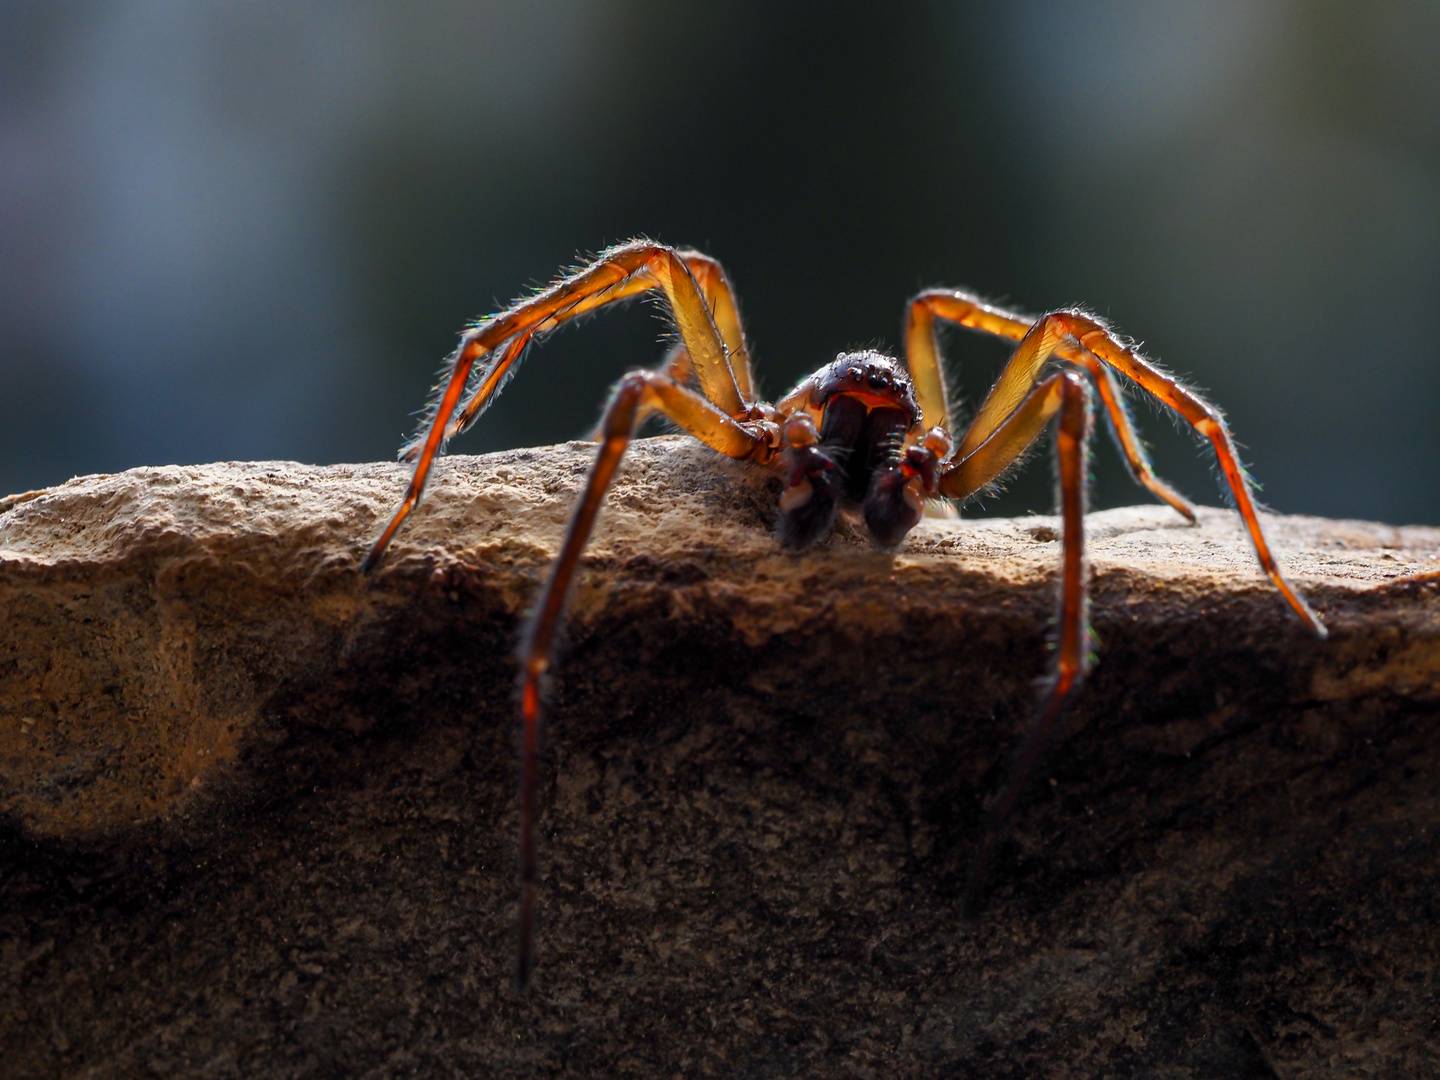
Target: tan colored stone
x=153, y=619
x=259, y=812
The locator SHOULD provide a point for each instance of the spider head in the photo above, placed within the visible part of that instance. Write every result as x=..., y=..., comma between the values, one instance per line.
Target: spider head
x=871, y=378
x=857, y=456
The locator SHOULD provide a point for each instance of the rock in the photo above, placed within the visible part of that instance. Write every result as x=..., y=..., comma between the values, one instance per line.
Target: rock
x=259, y=810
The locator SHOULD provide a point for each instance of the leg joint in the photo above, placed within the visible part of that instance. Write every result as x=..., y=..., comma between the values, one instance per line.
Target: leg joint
x=1073, y=386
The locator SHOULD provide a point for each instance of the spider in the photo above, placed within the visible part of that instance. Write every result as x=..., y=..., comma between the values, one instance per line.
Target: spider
x=864, y=433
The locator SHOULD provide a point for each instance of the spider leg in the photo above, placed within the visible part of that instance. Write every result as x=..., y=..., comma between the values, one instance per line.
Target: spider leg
x=709, y=276
x=611, y=277
x=969, y=473
x=677, y=366
x=720, y=298
x=1067, y=394
x=1082, y=339
x=635, y=392
x=922, y=353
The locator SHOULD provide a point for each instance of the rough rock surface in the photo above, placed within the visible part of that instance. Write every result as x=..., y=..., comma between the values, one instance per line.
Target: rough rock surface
x=259, y=819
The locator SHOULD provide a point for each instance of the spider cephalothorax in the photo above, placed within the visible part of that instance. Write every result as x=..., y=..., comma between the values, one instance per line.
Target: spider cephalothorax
x=867, y=412
x=863, y=431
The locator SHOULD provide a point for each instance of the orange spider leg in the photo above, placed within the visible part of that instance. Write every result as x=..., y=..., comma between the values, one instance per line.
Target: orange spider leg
x=638, y=390
x=1065, y=393
x=719, y=299
x=677, y=366
x=1084, y=340
x=1100, y=342
x=971, y=472
x=1124, y=428
x=1014, y=384
x=922, y=353
x=922, y=357
x=496, y=377
x=602, y=281
x=709, y=276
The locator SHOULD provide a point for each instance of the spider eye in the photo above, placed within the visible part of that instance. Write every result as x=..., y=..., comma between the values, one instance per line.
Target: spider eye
x=855, y=374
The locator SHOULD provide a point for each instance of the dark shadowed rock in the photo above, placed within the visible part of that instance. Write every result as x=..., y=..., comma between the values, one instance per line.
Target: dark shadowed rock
x=259, y=812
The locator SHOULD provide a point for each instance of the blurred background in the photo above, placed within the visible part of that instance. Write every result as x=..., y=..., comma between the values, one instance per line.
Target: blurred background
x=252, y=230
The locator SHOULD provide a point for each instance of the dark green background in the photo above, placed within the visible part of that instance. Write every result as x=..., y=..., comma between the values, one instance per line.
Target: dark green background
x=252, y=231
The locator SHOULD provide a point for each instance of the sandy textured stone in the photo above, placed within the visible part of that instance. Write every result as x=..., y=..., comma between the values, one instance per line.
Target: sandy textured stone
x=259, y=810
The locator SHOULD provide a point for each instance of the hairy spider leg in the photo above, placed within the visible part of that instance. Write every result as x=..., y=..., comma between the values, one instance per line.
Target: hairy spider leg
x=922, y=357
x=720, y=298
x=923, y=354
x=656, y=264
x=677, y=366
x=1067, y=394
x=701, y=418
x=1083, y=339
x=709, y=276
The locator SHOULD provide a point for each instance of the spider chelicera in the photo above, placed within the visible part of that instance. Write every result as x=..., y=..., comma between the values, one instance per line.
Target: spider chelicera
x=863, y=433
